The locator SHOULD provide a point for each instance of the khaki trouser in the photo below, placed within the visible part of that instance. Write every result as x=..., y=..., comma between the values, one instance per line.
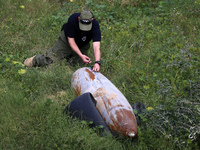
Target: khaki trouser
x=61, y=50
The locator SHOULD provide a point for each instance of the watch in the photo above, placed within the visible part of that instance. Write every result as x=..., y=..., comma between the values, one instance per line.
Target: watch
x=98, y=62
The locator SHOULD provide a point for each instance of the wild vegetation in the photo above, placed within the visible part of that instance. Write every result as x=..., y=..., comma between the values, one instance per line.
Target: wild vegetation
x=150, y=51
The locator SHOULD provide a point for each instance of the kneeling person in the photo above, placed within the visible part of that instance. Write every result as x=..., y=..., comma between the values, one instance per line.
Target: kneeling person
x=73, y=42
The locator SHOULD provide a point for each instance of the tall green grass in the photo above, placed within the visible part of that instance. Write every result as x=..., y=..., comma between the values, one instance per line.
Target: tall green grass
x=150, y=51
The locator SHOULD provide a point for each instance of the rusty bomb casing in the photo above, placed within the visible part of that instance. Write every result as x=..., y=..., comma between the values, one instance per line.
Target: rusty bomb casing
x=111, y=103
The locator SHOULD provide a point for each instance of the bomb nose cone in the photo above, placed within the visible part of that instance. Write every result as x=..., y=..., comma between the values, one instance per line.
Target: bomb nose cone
x=131, y=134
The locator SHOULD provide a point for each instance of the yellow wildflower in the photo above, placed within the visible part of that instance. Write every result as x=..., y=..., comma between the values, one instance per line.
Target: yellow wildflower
x=7, y=59
x=22, y=71
x=149, y=108
x=71, y=0
x=22, y=6
x=15, y=62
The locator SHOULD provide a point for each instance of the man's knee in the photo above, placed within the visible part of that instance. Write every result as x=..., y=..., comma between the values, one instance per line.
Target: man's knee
x=42, y=61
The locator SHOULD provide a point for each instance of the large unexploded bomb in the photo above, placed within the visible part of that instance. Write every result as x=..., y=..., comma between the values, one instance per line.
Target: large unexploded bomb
x=110, y=102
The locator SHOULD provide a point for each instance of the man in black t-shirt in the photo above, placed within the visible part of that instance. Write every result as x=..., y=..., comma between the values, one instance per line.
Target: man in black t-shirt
x=73, y=42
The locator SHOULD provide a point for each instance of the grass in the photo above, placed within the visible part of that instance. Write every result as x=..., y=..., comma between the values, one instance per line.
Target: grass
x=150, y=51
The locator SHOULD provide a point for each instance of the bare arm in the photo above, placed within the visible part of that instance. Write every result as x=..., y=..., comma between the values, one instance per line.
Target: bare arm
x=97, y=55
x=75, y=48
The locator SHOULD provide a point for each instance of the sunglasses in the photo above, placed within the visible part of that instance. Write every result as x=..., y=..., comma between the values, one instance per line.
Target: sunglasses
x=85, y=21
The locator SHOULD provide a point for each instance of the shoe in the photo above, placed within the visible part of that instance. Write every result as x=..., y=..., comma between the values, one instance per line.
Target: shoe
x=29, y=62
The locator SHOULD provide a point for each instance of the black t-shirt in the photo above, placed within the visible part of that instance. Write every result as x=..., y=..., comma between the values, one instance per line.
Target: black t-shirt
x=72, y=30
